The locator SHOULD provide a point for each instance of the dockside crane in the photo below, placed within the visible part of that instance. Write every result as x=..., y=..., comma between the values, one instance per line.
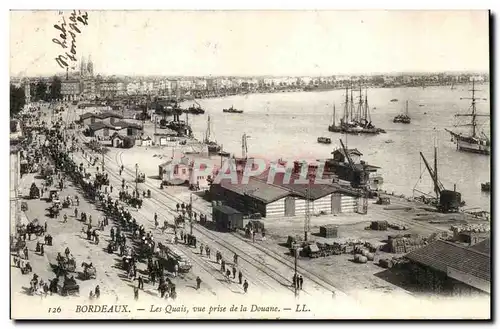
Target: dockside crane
x=358, y=176
x=448, y=201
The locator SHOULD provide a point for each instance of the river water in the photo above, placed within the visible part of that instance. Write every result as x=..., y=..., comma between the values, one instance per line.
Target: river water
x=286, y=125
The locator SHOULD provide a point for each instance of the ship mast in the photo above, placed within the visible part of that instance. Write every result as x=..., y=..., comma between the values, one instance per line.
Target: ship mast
x=406, y=112
x=473, y=114
x=352, y=105
x=334, y=114
x=360, y=105
x=367, y=113
x=346, y=107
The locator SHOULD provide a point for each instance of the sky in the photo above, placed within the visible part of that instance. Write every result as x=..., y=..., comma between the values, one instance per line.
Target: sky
x=254, y=43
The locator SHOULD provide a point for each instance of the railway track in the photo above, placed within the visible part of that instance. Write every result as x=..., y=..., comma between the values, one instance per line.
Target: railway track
x=194, y=256
x=266, y=252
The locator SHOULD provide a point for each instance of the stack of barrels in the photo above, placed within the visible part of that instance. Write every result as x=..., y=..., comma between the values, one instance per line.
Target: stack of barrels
x=362, y=255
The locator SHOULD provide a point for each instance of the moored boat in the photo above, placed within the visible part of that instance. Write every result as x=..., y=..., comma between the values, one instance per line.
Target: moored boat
x=324, y=140
x=232, y=110
x=473, y=142
x=403, y=118
x=485, y=187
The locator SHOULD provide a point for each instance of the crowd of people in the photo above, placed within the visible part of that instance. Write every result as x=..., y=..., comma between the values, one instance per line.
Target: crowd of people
x=59, y=149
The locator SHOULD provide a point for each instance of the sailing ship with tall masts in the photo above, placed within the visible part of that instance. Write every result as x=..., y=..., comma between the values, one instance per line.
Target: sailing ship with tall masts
x=356, y=119
x=403, y=118
x=213, y=147
x=474, y=142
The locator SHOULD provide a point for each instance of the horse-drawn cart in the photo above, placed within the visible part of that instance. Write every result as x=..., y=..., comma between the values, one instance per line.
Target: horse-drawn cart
x=89, y=271
x=70, y=287
x=65, y=265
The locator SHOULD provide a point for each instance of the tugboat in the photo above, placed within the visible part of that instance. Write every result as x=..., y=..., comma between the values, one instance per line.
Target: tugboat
x=394, y=100
x=473, y=142
x=195, y=108
x=324, y=140
x=213, y=147
x=485, y=187
x=232, y=110
x=403, y=118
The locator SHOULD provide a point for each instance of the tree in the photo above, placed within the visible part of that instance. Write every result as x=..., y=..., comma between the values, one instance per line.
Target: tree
x=40, y=91
x=17, y=99
x=55, y=89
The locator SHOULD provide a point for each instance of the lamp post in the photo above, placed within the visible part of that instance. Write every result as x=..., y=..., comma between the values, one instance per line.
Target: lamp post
x=296, y=283
x=191, y=213
x=136, y=189
x=102, y=152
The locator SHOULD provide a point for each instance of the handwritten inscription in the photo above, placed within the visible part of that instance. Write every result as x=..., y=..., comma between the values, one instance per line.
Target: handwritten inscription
x=67, y=36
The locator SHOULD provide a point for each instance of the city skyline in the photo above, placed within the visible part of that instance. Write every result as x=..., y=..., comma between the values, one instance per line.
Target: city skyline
x=266, y=43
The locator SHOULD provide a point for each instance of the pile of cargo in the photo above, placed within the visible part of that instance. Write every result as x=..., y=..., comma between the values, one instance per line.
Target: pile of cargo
x=474, y=228
x=404, y=244
x=362, y=255
x=398, y=227
x=392, y=262
x=328, y=231
x=380, y=225
x=315, y=250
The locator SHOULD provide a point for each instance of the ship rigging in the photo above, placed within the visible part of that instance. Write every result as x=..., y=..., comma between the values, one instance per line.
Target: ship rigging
x=474, y=142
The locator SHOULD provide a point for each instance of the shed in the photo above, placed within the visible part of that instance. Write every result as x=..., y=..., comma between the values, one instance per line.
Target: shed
x=227, y=218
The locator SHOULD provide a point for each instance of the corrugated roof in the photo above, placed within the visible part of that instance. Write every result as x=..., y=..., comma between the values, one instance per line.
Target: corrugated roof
x=440, y=255
x=298, y=188
x=99, y=125
x=483, y=246
x=256, y=189
x=105, y=115
x=125, y=124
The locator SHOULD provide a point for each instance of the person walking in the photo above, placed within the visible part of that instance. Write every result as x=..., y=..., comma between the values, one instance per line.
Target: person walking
x=198, y=283
x=65, y=217
x=45, y=224
x=140, y=283
x=234, y=272
x=201, y=249
x=97, y=292
x=207, y=251
x=301, y=281
x=245, y=286
x=136, y=293
x=228, y=274
x=240, y=277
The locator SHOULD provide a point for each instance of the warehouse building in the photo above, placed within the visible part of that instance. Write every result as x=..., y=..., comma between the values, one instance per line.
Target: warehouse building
x=285, y=200
x=254, y=197
x=447, y=268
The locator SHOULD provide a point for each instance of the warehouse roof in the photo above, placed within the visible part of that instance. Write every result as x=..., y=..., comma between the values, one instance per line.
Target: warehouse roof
x=125, y=124
x=226, y=210
x=441, y=255
x=483, y=246
x=99, y=125
x=298, y=188
x=256, y=189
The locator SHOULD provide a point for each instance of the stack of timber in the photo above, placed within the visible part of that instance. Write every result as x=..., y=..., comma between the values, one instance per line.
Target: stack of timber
x=405, y=244
x=328, y=231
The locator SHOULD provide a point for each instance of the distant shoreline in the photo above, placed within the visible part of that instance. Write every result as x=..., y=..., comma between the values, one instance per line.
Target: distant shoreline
x=319, y=89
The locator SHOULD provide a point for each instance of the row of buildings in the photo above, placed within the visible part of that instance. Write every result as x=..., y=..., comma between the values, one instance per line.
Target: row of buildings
x=85, y=85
